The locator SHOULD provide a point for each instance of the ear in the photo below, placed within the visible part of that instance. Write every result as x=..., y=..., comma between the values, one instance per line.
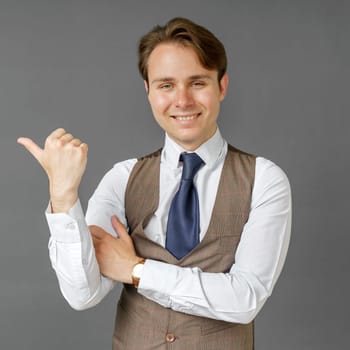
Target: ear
x=146, y=86
x=223, y=86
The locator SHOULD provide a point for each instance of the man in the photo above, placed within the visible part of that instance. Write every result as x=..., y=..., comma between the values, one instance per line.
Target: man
x=208, y=225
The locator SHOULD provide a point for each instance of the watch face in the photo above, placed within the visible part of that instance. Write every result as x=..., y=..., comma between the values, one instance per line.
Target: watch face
x=137, y=271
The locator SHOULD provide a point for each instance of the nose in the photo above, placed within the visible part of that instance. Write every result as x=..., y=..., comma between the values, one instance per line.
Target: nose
x=183, y=98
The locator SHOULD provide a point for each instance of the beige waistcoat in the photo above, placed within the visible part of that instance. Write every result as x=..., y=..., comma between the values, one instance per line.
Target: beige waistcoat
x=142, y=324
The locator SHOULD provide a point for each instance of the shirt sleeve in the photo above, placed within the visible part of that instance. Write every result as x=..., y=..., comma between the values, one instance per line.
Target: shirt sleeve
x=239, y=295
x=70, y=245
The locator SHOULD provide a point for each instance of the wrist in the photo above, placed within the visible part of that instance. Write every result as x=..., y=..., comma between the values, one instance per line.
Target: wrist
x=63, y=202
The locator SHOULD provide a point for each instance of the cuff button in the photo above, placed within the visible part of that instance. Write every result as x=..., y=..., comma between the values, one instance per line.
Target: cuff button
x=71, y=226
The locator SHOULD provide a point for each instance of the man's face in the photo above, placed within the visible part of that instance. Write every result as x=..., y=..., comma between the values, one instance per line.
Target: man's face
x=184, y=96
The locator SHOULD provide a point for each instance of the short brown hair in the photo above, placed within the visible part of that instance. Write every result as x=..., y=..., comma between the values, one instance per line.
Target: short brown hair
x=210, y=50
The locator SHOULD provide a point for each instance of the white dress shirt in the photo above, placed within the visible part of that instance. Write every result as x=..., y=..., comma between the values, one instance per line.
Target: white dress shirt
x=236, y=296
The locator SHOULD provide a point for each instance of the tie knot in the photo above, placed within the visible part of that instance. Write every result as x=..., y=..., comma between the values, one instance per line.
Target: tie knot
x=191, y=164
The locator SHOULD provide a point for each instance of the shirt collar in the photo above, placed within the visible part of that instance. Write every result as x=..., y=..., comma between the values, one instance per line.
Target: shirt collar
x=210, y=151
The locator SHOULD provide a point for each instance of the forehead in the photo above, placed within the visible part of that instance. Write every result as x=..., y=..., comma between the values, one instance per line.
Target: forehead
x=173, y=60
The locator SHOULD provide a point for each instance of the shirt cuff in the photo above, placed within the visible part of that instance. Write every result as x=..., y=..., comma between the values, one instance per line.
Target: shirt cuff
x=66, y=227
x=155, y=283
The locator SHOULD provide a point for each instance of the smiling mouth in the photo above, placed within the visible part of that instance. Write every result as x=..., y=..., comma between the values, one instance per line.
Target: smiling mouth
x=186, y=117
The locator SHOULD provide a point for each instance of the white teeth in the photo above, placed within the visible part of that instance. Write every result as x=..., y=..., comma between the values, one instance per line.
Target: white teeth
x=186, y=117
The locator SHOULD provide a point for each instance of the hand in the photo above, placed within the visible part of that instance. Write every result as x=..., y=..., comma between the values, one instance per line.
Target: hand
x=116, y=256
x=64, y=160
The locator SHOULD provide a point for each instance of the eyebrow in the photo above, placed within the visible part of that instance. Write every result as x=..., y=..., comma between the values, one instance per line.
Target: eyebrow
x=192, y=77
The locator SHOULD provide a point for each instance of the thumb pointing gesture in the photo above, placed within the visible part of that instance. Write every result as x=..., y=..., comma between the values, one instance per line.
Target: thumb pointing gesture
x=64, y=159
x=32, y=148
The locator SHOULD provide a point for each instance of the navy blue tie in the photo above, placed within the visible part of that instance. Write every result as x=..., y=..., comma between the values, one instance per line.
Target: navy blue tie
x=183, y=220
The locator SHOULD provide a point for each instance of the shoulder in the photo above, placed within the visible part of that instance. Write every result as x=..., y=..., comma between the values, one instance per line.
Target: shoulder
x=270, y=178
x=117, y=176
x=247, y=160
x=124, y=166
x=236, y=150
x=123, y=169
x=267, y=168
x=155, y=154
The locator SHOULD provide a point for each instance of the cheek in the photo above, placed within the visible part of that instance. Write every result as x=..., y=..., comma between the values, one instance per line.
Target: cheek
x=210, y=101
x=159, y=103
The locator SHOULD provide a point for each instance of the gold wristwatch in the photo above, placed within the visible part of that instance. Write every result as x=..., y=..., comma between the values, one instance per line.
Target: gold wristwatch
x=137, y=272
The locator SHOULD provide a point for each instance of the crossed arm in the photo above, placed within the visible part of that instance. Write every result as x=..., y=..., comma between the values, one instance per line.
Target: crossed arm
x=236, y=296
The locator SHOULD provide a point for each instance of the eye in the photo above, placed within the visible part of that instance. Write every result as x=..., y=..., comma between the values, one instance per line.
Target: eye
x=166, y=86
x=198, y=83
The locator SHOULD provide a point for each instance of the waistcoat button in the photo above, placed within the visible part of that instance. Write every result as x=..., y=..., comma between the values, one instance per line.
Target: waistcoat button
x=170, y=337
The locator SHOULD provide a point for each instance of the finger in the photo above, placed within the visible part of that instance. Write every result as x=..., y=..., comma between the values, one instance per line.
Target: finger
x=84, y=147
x=119, y=228
x=67, y=138
x=31, y=147
x=76, y=142
x=97, y=232
x=95, y=240
x=57, y=133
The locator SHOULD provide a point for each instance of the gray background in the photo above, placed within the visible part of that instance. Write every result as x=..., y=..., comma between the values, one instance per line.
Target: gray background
x=73, y=64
